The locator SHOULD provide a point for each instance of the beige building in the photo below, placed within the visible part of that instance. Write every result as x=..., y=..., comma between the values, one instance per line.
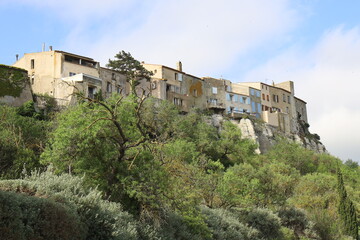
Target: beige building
x=61, y=74
x=279, y=105
x=238, y=100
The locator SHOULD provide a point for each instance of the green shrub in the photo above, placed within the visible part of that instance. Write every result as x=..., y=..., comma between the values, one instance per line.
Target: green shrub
x=265, y=221
x=225, y=225
x=102, y=219
x=296, y=219
x=26, y=217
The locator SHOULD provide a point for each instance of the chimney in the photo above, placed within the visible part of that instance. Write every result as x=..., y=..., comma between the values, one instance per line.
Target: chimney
x=179, y=66
x=50, y=48
x=43, y=47
x=17, y=57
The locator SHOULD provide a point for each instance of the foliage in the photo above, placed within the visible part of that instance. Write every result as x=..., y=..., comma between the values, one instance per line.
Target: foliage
x=346, y=209
x=25, y=217
x=296, y=220
x=351, y=164
x=243, y=185
x=12, y=80
x=99, y=219
x=265, y=221
x=226, y=225
x=21, y=142
x=130, y=67
x=294, y=155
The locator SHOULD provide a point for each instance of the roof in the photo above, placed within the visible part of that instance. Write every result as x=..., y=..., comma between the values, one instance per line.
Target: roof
x=300, y=100
x=268, y=86
x=75, y=55
x=173, y=69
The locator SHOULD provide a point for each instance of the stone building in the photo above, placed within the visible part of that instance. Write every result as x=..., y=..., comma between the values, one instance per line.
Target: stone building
x=184, y=90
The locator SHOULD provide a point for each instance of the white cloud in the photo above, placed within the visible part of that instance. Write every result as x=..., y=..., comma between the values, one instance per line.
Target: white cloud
x=207, y=36
x=328, y=78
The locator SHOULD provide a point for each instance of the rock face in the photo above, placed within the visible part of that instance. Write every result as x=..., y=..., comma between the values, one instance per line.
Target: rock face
x=266, y=135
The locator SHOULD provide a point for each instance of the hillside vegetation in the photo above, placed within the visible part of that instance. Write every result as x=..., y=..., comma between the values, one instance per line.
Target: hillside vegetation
x=135, y=168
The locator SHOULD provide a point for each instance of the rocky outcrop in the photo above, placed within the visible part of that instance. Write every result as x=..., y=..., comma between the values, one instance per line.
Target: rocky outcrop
x=266, y=135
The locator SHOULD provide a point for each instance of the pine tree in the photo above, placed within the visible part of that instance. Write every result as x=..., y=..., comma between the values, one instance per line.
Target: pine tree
x=346, y=209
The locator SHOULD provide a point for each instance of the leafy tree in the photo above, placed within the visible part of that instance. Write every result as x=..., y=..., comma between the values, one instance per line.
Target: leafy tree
x=351, y=164
x=294, y=155
x=346, y=209
x=21, y=142
x=244, y=185
x=131, y=68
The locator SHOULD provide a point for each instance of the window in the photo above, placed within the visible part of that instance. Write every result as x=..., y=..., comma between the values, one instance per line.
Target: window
x=108, y=87
x=258, y=107
x=91, y=92
x=257, y=93
x=214, y=90
x=252, y=92
x=113, y=76
x=213, y=101
x=253, y=106
x=288, y=99
x=228, y=88
x=71, y=74
x=235, y=98
x=284, y=98
x=118, y=89
x=267, y=98
x=229, y=97
x=275, y=98
x=32, y=79
x=195, y=92
x=32, y=63
x=263, y=96
x=178, y=101
x=247, y=100
x=178, y=76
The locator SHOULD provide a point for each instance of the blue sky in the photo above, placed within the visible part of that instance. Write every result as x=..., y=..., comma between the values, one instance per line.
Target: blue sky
x=315, y=43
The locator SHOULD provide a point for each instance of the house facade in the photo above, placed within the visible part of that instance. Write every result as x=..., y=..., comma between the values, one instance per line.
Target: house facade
x=61, y=74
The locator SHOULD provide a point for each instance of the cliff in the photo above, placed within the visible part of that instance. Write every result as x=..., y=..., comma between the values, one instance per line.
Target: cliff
x=266, y=135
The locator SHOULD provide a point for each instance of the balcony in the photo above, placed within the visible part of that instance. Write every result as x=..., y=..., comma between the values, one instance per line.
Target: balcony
x=215, y=105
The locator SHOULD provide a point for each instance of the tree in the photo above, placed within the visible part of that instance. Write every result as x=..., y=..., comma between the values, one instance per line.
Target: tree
x=131, y=68
x=346, y=209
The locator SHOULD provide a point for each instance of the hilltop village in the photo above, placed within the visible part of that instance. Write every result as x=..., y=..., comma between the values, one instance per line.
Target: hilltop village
x=60, y=74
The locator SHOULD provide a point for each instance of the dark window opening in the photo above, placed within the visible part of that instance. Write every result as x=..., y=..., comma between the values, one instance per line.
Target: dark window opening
x=32, y=64
x=91, y=92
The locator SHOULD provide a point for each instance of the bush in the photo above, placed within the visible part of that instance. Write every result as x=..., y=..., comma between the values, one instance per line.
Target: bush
x=264, y=220
x=296, y=220
x=26, y=217
x=225, y=225
x=102, y=219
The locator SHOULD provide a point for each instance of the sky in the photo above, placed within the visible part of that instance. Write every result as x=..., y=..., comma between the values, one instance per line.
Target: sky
x=315, y=43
